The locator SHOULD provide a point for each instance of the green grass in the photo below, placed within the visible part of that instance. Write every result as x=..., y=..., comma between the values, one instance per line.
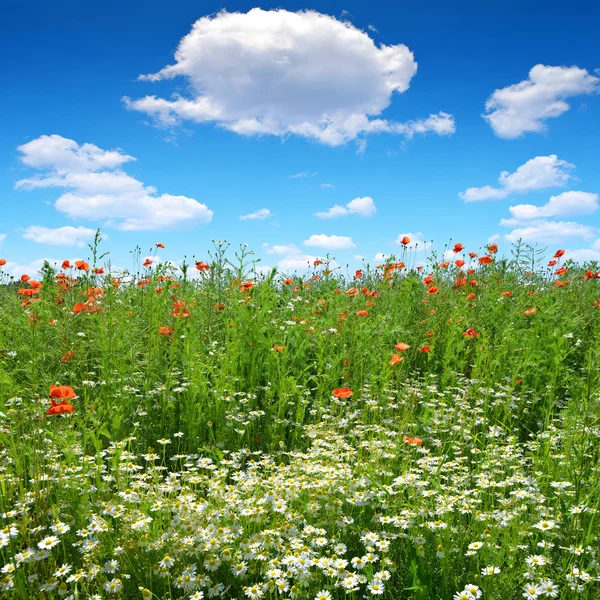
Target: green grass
x=214, y=461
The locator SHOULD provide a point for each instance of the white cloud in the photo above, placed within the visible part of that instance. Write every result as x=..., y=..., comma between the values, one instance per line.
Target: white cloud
x=416, y=241
x=537, y=173
x=583, y=255
x=303, y=174
x=281, y=249
x=2, y=238
x=330, y=242
x=277, y=72
x=548, y=232
x=525, y=106
x=327, y=186
x=60, y=236
x=563, y=205
x=263, y=213
x=98, y=189
x=365, y=207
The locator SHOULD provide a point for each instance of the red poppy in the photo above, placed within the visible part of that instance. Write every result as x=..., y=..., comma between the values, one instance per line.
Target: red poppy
x=506, y=294
x=246, y=285
x=559, y=253
x=159, y=245
x=530, y=311
x=401, y=346
x=66, y=264
x=459, y=263
x=561, y=271
x=69, y=355
x=458, y=248
x=147, y=262
x=99, y=271
x=493, y=248
x=396, y=358
x=552, y=263
x=486, y=260
x=179, y=309
x=80, y=307
x=219, y=307
x=444, y=265
x=25, y=278
x=473, y=254
x=362, y=313
x=358, y=274
x=165, y=331
x=589, y=275
x=433, y=289
x=288, y=281
x=470, y=333
x=405, y=241
x=318, y=262
x=344, y=392
x=202, y=266
x=425, y=348
x=81, y=265
x=62, y=391
x=471, y=296
x=413, y=441
x=2, y=262
x=58, y=408
x=278, y=348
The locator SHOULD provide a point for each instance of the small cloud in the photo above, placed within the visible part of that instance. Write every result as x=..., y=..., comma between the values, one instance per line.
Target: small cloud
x=280, y=249
x=327, y=186
x=263, y=213
x=2, y=238
x=365, y=207
x=372, y=28
x=330, y=242
x=303, y=174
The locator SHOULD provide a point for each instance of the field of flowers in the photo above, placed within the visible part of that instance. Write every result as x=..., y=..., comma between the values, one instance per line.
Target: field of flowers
x=405, y=432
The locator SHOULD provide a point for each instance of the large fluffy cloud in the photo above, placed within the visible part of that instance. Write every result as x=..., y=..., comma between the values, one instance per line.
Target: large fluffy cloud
x=525, y=106
x=364, y=207
x=563, y=205
x=536, y=174
x=99, y=190
x=278, y=72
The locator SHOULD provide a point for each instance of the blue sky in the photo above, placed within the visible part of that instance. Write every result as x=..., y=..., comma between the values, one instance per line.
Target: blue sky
x=382, y=104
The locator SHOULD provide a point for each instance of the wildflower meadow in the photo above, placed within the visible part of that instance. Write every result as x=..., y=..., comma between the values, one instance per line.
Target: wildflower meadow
x=211, y=430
